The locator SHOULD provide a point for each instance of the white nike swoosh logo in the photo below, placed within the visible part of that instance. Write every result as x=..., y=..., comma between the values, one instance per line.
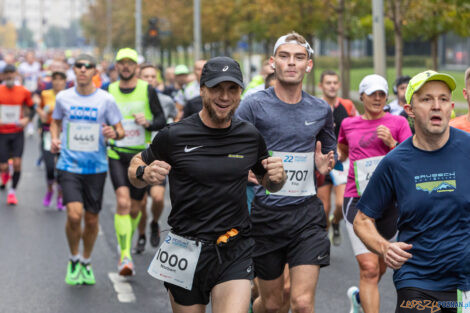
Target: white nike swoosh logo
x=186, y=149
x=309, y=123
x=319, y=258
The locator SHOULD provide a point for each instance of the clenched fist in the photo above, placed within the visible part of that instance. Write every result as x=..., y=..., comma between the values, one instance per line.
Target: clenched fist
x=156, y=172
x=275, y=169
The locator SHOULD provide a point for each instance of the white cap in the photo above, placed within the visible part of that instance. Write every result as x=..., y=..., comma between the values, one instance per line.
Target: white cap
x=282, y=40
x=372, y=83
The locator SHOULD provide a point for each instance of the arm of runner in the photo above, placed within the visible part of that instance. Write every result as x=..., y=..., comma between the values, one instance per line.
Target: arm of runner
x=42, y=114
x=41, y=110
x=159, y=120
x=28, y=114
x=394, y=253
x=153, y=174
x=115, y=132
x=275, y=176
x=343, y=152
x=139, y=119
x=383, y=132
x=324, y=162
x=252, y=178
x=56, y=125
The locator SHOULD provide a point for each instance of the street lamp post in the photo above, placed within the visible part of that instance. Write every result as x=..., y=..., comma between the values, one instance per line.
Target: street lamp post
x=197, y=30
x=138, y=26
x=378, y=31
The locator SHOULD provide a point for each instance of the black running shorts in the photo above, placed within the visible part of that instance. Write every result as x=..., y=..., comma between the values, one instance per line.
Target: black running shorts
x=11, y=146
x=294, y=235
x=85, y=188
x=119, y=178
x=415, y=300
x=234, y=263
x=386, y=225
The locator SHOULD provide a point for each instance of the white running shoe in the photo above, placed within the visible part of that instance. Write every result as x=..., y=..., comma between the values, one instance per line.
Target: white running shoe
x=355, y=306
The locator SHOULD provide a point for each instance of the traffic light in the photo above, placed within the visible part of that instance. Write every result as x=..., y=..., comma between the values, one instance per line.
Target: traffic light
x=151, y=37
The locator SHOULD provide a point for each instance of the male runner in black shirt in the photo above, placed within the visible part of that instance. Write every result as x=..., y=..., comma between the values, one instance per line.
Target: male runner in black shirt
x=207, y=157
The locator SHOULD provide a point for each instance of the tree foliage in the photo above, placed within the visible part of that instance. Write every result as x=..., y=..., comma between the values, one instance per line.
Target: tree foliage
x=8, y=36
x=225, y=22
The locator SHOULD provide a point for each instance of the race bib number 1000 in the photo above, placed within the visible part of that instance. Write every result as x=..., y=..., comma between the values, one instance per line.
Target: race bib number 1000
x=83, y=137
x=363, y=170
x=299, y=170
x=175, y=261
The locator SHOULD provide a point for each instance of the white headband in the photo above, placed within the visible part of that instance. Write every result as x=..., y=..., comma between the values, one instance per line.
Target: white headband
x=282, y=40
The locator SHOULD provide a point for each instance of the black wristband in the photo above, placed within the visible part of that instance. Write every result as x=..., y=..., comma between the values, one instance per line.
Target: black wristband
x=116, y=132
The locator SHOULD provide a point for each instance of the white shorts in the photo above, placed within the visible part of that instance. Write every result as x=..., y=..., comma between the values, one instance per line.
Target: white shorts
x=357, y=245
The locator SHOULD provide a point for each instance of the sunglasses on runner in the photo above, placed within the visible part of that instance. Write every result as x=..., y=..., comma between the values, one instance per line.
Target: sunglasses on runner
x=86, y=65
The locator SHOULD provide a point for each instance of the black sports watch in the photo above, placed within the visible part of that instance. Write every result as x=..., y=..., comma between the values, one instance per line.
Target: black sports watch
x=139, y=173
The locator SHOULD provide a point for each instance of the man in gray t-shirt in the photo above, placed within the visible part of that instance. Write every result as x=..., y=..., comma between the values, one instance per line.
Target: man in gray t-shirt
x=289, y=226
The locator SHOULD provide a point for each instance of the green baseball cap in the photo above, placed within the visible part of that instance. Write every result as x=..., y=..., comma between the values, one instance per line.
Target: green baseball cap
x=181, y=69
x=127, y=53
x=420, y=79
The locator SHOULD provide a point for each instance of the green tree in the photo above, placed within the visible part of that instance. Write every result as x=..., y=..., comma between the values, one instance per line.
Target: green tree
x=55, y=37
x=123, y=31
x=8, y=35
x=429, y=19
x=25, y=37
x=347, y=20
x=397, y=13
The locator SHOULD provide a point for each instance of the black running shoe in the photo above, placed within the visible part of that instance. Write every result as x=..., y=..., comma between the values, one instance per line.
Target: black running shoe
x=140, y=244
x=154, y=234
x=336, y=234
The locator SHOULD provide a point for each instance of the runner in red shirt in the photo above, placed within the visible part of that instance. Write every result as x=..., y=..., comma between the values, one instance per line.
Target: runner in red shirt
x=335, y=180
x=15, y=114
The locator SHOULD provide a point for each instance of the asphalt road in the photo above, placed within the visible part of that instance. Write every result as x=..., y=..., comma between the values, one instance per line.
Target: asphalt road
x=34, y=253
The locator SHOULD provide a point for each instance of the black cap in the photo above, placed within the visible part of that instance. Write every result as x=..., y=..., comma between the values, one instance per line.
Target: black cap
x=221, y=69
x=60, y=73
x=9, y=68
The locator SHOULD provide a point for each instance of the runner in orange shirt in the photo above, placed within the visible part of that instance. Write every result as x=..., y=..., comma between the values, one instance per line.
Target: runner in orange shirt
x=463, y=122
x=44, y=111
x=15, y=114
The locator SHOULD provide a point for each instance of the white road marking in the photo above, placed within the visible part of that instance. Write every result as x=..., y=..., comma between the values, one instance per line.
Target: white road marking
x=123, y=289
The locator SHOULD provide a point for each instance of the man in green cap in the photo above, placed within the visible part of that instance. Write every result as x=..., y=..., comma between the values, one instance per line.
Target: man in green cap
x=142, y=114
x=427, y=176
x=189, y=90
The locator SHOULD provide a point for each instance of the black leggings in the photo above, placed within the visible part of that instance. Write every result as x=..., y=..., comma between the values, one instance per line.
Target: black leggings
x=49, y=159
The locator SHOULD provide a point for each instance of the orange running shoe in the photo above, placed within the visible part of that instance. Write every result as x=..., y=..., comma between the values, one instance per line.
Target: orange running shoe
x=126, y=267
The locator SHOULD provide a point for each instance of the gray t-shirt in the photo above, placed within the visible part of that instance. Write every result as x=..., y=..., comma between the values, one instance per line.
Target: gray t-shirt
x=288, y=128
x=190, y=91
x=168, y=105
